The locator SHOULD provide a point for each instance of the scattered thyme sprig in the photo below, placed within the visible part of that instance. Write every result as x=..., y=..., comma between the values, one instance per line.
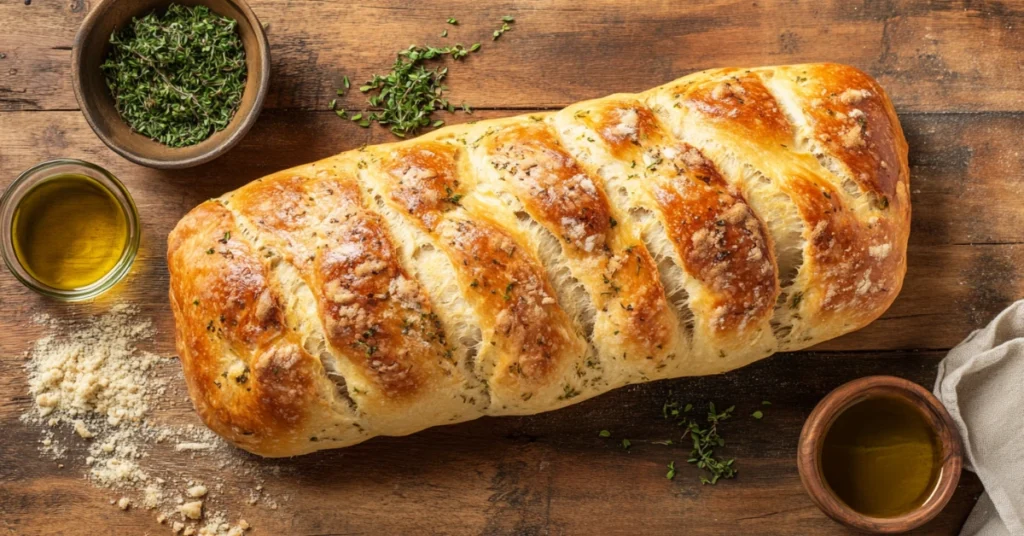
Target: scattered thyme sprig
x=177, y=77
x=405, y=98
x=409, y=94
x=506, y=25
x=705, y=440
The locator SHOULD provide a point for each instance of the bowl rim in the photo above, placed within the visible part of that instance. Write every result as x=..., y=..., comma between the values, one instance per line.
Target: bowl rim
x=238, y=127
x=831, y=406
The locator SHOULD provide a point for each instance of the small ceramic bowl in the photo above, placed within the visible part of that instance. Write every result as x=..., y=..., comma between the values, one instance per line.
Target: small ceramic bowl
x=817, y=426
x=91, y=48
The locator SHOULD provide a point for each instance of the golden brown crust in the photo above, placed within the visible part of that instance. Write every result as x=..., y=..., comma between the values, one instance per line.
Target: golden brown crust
x=499, y=276
x=423, y=181
x=571, y=204
x=372, y=313
x=552, y=187
x=516, y=305
x=841, y=103
x=249, y=378
x=854, y=233
x=719, y=239
x=518, y=265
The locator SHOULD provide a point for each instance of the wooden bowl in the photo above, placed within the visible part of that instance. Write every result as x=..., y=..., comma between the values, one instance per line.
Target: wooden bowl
x=817, y=426
x=91, y=48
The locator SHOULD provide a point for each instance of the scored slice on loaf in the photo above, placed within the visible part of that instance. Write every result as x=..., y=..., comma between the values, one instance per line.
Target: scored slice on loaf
x=518, y=265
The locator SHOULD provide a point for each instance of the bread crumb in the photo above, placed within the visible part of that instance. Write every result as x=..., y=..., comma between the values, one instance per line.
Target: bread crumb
x=81, y=429
x=123, y=503
x=152, y=496
x=177, y=527
x=189, y=531
x=161, y=518
x=191, y=510
x=196, y=491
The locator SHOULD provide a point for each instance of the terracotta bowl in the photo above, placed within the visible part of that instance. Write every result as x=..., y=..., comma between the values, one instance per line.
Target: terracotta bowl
x=821, y=419
x=91, y=48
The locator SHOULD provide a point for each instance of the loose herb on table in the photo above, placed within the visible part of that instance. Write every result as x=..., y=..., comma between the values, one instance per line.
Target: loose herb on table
x=506, y=25
x=405, y=98
x=177, y=77
x=705, y=440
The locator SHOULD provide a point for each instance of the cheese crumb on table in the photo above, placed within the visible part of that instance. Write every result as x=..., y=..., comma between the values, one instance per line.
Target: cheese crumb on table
x=81, y=430
x=196, y=491
x=92, y=384
x=192, y=510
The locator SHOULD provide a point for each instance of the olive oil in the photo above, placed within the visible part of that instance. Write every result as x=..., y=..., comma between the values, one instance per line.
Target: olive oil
x=881, y=457
x=69, y=231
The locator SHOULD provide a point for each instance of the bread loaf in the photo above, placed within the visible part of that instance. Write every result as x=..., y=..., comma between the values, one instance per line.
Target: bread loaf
x=519, y=265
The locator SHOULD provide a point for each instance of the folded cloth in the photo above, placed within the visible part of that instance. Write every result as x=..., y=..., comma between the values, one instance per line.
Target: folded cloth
x=981, y=383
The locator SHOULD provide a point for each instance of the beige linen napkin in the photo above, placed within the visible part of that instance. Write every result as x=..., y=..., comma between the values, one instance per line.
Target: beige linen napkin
x=981, y=383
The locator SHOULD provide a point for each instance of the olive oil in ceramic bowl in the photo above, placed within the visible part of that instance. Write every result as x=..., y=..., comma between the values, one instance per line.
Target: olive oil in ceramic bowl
x=881, y=457
x=70, y=229
x=880, y=454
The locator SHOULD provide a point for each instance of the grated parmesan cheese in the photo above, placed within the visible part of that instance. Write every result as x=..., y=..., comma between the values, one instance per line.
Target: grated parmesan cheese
x=196, y=491
x=191, y=510
x=89, y=377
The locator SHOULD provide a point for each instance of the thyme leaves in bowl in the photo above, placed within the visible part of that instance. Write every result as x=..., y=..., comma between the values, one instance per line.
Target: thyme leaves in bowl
x=179, y=76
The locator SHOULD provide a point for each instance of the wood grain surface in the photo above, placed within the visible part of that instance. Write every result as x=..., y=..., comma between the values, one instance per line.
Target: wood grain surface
x=955, y=71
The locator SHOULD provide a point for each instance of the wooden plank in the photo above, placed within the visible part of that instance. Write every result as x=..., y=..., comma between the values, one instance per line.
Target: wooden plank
x=966, y=244
x=952, y=68
x=965, y=172
x=543, y=474
x=930, y=56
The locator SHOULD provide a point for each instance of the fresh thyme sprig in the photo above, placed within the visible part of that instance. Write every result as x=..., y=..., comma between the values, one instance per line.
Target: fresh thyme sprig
x=410, y=93
x=405, y=98
x=506, y=25
x=177, y=77
x=705, y=441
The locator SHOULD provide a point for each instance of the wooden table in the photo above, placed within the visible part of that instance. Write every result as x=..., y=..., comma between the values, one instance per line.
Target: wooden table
x=954, y=69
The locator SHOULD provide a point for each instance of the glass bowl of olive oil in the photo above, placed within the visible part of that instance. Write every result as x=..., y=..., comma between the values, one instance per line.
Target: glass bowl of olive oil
x=70, y=229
